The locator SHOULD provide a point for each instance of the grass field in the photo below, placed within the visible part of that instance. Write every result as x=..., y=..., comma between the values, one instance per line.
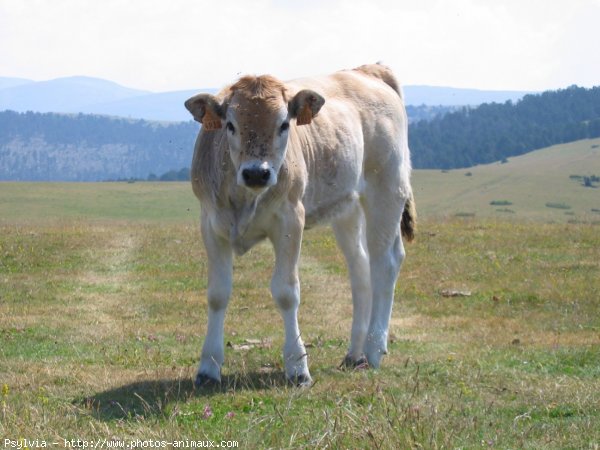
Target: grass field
x=519, y=189
x=102, y=317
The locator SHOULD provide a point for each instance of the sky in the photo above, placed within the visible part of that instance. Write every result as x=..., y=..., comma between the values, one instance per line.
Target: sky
x=165, y=45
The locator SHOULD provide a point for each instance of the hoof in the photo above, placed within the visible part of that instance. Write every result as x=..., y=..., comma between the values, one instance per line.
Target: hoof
x=301, y=381
x=359, y=364
x=205, y=382
x=374, y=359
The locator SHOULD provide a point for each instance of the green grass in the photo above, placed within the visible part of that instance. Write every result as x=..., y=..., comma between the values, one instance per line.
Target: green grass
x=530, y=182
x=103, y=314
x=26, y=202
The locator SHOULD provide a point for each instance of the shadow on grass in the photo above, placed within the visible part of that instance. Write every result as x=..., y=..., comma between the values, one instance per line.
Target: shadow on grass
x=155, y=397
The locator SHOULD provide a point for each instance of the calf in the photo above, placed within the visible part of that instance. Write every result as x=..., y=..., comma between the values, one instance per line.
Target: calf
x=273, y=158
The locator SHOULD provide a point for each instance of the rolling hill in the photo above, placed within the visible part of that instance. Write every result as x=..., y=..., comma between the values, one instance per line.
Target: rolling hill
x=85, y=147
x=539, y=185
x=97, y=96
x=65, y=95
x=8, y=82
x=495, y=131
x=448, y=96
x=164, y=106
x=523, y=187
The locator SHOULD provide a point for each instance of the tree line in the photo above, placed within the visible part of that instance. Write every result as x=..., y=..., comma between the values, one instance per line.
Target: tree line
x=494, y=132
x=81, y=147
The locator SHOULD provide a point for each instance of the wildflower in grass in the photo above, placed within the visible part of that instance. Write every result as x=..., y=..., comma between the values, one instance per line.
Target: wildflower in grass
x=5, y=390
x=207, y=412
x=230, y=415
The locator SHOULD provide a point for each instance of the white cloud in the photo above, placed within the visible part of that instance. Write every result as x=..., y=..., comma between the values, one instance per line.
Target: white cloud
x=177, y=44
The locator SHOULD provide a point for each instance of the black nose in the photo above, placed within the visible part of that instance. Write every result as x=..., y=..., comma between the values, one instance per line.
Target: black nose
x=256, y=177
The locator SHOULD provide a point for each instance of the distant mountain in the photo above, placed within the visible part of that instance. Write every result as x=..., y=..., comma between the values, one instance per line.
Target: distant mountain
x=65, y=95
x=6, y=82
x=447, y=96
x=165, y=106
x=97, y=96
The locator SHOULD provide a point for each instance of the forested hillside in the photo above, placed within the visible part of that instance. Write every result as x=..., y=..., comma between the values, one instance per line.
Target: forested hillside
x=36, y=146
x=427, y=112
x=49, y=146
x=493, y=132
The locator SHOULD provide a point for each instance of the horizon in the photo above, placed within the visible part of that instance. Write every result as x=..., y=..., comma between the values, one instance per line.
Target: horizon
x=150, y=92
x=161, y=46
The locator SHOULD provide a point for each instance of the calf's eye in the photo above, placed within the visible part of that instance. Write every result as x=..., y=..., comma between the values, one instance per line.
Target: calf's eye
x=284, y=127
x=230, y=127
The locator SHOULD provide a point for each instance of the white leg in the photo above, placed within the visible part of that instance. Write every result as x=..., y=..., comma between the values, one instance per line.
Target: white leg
x=286, y=237
x=385, y=267
x=349, y=232
x=220, y=271
x=383, y=210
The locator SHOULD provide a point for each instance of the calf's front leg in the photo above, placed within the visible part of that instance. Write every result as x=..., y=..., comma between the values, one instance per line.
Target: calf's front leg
x=220, y=273
x=286, y=237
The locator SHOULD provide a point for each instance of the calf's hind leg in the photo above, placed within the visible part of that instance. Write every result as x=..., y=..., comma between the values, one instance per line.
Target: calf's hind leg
x=349, y=233
x=383, y=206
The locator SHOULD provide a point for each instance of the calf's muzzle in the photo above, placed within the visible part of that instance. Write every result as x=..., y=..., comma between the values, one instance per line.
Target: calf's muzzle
x=256, y=176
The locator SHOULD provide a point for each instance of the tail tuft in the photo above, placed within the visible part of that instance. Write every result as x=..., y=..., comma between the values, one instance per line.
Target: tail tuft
x=409, y=220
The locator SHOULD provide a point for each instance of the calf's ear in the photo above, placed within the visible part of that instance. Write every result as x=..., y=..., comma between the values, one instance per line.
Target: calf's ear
x=305, y=105
x=206, y=109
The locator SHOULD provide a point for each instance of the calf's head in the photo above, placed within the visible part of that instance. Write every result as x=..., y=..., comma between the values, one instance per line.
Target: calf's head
x=256, y=113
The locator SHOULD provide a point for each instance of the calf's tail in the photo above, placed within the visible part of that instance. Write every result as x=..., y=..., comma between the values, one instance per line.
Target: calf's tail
x=409, y=220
